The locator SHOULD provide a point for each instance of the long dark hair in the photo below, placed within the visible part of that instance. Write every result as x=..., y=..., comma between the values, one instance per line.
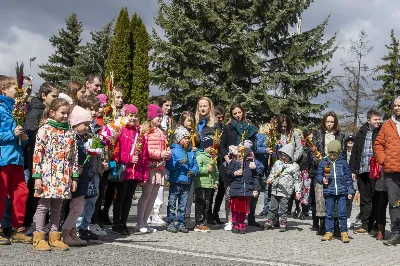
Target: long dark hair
x=336, y=127
x=281, y=119
x=163, y=99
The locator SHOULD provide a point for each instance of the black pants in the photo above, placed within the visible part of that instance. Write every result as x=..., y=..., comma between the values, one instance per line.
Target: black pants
x=109, y=195
x=123, y=201
x=202, y=204
x=349, y=207
x=96, y=219
x=393, y=185
x=379, y=205
x=366, y=187
x=219, y=198
x=31, y=204
x=253, y=205
x=290, y=203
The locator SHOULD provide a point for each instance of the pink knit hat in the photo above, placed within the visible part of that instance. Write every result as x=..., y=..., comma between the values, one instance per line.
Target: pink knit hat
x=79, y=115
x=103, y=99
x=130, y=109
x=153, y=110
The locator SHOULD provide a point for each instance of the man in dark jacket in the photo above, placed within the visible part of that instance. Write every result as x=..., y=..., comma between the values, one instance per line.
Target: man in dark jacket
x=359, y=167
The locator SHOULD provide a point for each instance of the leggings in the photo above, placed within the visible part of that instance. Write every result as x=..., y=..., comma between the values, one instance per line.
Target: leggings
x=46, y=204
x=123, y=201
x=159, y=200
x=146, y=202
x=76, y=207
x=109, y=197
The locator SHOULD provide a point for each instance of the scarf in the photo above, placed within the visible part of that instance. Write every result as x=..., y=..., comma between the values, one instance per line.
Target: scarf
x=58, y=125
x=9, y=103
x=241, y=127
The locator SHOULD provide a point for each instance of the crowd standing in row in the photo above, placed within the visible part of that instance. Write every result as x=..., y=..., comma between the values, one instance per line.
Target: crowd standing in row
x=47, y=170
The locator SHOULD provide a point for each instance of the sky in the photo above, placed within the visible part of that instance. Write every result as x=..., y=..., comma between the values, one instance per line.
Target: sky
x=27, y=25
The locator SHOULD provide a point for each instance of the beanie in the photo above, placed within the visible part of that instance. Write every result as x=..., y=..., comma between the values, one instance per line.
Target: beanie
x=130, y=109
x=66, y=97
x=103, y=99
x=180, y=133
x=153, y=110
x=207, y=141
x=79, y=115
x=334, y=146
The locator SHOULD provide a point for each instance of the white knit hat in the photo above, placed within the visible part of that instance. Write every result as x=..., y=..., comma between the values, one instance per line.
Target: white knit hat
x=180, y=133
x=66, y=97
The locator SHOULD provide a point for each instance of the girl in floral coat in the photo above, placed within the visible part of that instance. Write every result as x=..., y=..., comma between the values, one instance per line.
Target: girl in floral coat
x=55, y=170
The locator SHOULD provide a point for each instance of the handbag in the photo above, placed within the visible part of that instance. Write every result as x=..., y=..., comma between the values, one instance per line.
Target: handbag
x=374, y=169
x=120, y=174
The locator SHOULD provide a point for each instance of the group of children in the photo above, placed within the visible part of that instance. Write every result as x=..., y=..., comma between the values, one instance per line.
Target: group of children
x=64, y=173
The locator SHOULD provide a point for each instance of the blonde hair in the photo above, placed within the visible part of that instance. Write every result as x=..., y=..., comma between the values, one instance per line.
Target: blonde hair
x=6, y=82
x=265, y=128
x=211, y=115
x=146, y=127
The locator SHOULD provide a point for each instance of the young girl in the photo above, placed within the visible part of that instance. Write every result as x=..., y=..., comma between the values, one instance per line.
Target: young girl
x=284, y=178
x=80, y=120
x=55, y=170
x=47, y=93
x=155, y=139
x=131, y=151
x=334, y=174
x=244, y=184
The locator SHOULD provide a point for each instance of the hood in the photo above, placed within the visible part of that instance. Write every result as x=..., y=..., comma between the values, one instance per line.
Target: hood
x=288, y=149
x=176, y=146
x=36, y=103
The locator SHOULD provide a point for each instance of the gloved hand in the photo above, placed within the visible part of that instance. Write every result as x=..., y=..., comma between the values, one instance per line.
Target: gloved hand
x=190, y=173
x=113, y=168
x=183, y=161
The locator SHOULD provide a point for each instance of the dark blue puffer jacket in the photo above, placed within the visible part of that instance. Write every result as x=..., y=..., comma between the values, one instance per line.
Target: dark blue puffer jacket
x=245, y=184
x=339, y=181
x=261, y=156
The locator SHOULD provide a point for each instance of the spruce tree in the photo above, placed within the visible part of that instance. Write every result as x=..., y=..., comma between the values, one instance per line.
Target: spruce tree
x=93, y=56
x=140, y=84
x=390, y=77
x=241, y=51
x=67, y=45
x=119, y=55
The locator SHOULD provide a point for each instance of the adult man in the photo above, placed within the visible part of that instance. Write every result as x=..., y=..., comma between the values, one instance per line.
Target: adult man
x=387, y=152
x=359, y=165
x=93, y=84
x=27, y=88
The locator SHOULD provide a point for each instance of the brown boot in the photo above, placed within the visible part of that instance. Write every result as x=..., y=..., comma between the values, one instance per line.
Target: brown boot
x=56, y=242
x=18, y=236
x=75, y=237
x=381, y=232
x=66, y=234
x=39, y=242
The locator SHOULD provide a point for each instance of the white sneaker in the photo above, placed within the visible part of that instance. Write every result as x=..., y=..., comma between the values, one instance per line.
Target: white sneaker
x=156, y=219
x=149, y=220
x=348, y=223
x=228, y=227
x=96, y=229
x=142, y=229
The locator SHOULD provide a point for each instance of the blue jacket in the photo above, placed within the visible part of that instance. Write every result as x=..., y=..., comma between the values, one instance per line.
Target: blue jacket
x=10, y=150
x=339, y=180
x=245, y=184
x=178, y=172
x=261, y=156
x=85, y=175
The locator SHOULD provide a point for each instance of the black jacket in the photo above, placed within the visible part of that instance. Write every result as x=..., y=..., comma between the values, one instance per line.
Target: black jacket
x=358, y=147
x=308, y=161
x=319, y=141
x=245, y=184
x=229, y=137
x=34, y=115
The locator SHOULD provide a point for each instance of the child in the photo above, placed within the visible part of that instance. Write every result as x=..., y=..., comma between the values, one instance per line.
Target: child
x=12, y=178
x=131, y=151
x=284, y=177
x=55, y=170
x=80, y=120
x=244, y=184
x=155, y=139
x=334, y=173
x=100, y=114
x=206, y=181
x=182, y=169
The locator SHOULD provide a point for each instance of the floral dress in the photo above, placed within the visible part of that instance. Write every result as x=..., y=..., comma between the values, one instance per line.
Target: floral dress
x=55, y=161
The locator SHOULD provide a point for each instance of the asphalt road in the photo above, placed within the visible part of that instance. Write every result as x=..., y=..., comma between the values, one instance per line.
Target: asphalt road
x=297, y=246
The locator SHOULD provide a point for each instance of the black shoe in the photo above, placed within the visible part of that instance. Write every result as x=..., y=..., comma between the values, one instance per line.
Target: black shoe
x=254, y=223
x=182, y=228
x=127, y=230
x=314, y=228
x=210, y=220
x=296, y=213
x=217, y=220
x=106, y=218
x=321, y=230
x=87, y=235
x=301, y=216
x=7, y=232
x=394, y=240
x=118, y=229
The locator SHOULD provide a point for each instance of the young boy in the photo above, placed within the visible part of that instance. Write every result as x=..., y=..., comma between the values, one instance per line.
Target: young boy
x=284, y=177
x=12, y=178
x=205, y=183
x=182, y=169
x=334, y=173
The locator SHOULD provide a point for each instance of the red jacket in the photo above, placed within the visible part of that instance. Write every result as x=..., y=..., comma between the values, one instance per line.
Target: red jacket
x=387, y=147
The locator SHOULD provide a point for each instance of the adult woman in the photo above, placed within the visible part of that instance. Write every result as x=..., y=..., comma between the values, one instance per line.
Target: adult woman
x=76, y=91
x=329, y=131
x=232, y=134
x=205, y=116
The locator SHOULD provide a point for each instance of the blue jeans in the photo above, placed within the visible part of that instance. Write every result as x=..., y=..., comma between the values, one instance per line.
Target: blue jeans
x=330, y=211
x=177, y=192
x=83, y=222
x=6, y=222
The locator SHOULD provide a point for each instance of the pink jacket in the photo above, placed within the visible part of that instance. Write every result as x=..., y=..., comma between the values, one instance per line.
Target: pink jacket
x=156, y=144
x=122, y=154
